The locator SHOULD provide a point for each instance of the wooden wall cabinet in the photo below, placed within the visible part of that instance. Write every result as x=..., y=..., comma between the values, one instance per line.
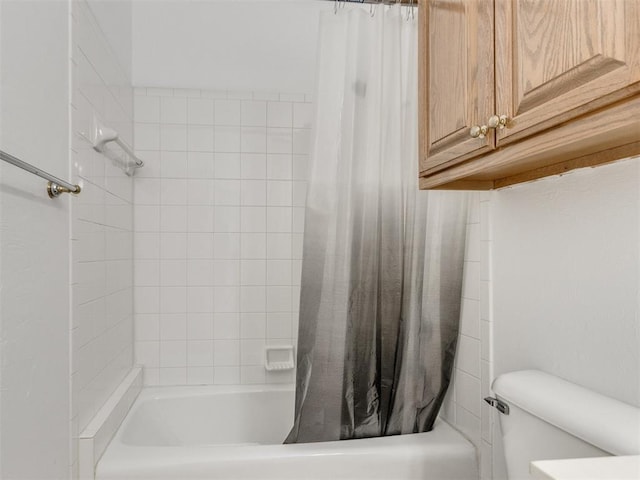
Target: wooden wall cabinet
x=565, y=74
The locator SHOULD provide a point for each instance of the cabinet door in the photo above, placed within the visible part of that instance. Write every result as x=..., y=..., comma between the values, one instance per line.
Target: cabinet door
x=456, y=85
x=558, y=59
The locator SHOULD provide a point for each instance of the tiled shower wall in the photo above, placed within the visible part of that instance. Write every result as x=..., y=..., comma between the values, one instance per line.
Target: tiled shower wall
x=488, y=414
x=219, y=219
x=102, y=224
x=463, y=407
x=34, y=243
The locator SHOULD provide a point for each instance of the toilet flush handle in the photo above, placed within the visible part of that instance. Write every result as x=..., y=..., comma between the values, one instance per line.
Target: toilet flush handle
x=498, y=404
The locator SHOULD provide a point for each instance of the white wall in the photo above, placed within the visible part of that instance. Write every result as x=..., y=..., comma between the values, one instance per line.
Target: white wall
x=242, y=45
x=66, y=298
x=219, y=217
x=115, y=18
x=34, y=242
x=564, y=274
x=566, y=278
x=552, y=276
x=102, y=215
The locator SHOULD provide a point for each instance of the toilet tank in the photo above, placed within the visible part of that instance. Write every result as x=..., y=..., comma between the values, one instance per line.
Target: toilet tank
x=550, y=418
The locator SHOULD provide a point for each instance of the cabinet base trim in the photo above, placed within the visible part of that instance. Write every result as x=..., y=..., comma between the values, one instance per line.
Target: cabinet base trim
x=603, y=136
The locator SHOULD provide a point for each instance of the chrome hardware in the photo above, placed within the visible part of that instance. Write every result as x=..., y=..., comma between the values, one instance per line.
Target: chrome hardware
x=498, y=404
x=55, y=186
x=496, y=121
x=478, y=131
x=54, y=190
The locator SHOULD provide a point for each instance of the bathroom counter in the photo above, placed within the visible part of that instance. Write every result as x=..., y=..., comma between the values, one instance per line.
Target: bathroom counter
x=597, y=468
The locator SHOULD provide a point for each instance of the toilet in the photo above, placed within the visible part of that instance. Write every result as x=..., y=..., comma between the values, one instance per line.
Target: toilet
x=543, y=417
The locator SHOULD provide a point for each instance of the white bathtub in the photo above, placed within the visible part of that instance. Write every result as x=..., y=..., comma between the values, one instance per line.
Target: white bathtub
x=236, y=433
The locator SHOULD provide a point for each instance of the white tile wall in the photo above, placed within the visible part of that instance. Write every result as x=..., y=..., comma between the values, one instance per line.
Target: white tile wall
x=102, y=225
x=34, y=243
x=486, y=336
x=219, y=218
x=463, y=406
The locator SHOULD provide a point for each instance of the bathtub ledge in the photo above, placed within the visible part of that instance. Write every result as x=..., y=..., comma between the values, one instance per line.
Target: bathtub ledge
x=95, y=438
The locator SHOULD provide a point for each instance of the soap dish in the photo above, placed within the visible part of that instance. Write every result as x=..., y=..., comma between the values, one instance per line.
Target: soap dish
x=279, y=358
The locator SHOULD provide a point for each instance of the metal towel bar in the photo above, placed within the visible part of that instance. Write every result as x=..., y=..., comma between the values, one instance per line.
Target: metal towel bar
x=55, y=186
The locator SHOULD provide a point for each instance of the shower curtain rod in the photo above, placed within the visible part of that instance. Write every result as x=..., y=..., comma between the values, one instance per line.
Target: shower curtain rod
x=407, y=3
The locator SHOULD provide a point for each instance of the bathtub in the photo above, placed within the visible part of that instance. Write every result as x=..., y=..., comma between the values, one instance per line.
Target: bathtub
x=236, y=432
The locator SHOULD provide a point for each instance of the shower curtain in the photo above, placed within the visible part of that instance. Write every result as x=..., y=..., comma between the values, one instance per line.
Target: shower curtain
x=383, y=261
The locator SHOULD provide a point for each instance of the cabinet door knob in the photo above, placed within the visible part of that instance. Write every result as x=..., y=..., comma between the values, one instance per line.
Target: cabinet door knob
x=478, y=131
x=496, y=121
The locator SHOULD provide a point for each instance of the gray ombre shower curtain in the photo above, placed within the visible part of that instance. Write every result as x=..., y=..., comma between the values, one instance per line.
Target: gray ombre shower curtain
x=383, y=262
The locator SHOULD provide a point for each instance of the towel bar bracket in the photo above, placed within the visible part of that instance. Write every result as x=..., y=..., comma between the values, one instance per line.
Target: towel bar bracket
x=54, y=190
x=55, y=186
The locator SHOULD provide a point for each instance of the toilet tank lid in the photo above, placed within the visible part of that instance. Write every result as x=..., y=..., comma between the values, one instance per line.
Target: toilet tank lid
x=609, y=424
